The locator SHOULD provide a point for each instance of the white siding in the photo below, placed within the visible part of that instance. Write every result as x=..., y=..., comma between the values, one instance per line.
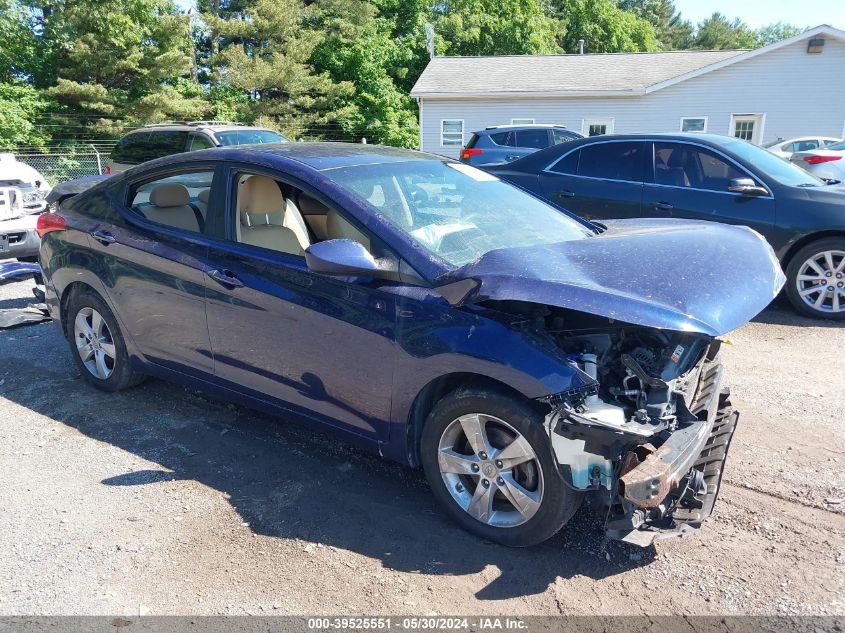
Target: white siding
x=799, y=94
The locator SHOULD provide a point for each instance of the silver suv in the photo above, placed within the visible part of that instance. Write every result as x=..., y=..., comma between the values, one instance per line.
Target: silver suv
x=505, y=143
x=164, y=139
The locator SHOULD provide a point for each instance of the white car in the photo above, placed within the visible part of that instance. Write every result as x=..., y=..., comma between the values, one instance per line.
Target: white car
x=22, y=199
x=785, y=148
x=827, y=164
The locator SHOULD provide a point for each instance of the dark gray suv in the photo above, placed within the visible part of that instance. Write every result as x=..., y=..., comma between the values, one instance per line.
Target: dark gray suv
x=503, y=143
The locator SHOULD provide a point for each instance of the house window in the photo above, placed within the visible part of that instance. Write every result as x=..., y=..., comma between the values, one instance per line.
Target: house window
x=522, y=121
x=452, y=132
x=694, y=124
x=748, y=127
x=744, y=130
x=597, y=127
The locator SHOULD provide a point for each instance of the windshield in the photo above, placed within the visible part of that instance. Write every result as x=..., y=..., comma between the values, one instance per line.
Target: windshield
x=455, y=211
x=773, y=166
x=246, y=137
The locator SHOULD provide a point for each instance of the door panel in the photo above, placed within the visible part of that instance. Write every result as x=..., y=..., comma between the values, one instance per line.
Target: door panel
x=154, y=274
x=156, y=284
x=599, y=181
x=593, y=198
x=321, y=345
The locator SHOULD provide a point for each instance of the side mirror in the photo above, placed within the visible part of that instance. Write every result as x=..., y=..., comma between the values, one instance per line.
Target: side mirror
x=340, y=257
x=747, y=187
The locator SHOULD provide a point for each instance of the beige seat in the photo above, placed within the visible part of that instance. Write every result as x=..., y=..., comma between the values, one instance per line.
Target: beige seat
x=202, y=202
x=339, y=227
x=170, y=205
x=263, y=217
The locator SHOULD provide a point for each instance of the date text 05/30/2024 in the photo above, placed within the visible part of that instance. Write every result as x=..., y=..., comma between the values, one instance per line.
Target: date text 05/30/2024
x=416, y=623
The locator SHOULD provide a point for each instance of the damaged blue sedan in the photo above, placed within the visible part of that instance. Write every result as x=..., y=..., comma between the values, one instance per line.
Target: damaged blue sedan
x=526, y=359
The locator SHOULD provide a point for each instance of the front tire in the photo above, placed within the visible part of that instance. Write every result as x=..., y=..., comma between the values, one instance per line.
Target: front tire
x=97, y=344
x=816, y=279
x=490, y=466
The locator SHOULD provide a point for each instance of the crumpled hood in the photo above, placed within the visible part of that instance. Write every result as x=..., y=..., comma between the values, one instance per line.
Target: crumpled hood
x=673, y=274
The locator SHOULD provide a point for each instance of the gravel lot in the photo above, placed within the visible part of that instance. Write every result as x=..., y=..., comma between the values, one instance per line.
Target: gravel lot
x=161, y=501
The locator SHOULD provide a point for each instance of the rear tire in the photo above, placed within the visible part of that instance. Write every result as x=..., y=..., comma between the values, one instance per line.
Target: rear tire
x=490, y=466
x=816, y=279
x=97, y=344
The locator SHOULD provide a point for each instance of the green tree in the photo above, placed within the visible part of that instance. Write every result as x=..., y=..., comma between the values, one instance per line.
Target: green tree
x=603, y=25
x=116, y=60
x=494, y=27
x=360, y=48
x=266, y=51
x=20, y=106
x=717, y=33
x=18, y=51
x=670, y=29
x=776, y=32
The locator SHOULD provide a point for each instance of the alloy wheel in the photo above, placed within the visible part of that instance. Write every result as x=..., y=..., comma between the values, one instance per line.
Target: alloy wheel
x=821, y=281
x=491, y=470
x=94, y=343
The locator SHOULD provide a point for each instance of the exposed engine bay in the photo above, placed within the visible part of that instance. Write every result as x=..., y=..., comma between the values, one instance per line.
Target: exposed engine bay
x=637, y=436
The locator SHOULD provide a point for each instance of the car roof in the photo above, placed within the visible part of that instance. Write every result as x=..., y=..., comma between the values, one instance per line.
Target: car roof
x=547, y=126
x=321, y=156
x=189, y=126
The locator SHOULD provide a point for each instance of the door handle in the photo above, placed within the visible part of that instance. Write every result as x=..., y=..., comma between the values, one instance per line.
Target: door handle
x=104, y=237
x=226, y=277
x=565, y=193
x=511, y=157
x=663, y=206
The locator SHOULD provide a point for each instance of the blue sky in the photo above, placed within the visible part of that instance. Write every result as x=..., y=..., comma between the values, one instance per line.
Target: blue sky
x=758, y=13
x=755, y=13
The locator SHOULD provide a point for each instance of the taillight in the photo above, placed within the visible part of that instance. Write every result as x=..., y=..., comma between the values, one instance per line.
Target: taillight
x=815, y=160
x=108, y=170
x=48, y=222
x=472, y=151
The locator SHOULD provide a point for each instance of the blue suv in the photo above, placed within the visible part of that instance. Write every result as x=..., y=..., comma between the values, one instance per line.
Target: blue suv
x=504, y=143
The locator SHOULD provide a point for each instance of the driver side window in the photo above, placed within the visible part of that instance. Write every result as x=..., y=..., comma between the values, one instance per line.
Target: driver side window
x=274, y=215
x=681, y=165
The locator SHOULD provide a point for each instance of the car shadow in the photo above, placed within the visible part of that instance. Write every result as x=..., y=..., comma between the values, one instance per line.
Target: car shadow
x=780, y=312
x=292, y=481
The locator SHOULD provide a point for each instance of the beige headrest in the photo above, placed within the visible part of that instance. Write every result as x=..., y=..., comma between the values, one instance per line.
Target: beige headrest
x=202, y=196
x=170, y=194
x=260, y=194
x=263, y=219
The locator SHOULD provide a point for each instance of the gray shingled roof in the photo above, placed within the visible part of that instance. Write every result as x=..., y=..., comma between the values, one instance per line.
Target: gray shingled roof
x=610, y=72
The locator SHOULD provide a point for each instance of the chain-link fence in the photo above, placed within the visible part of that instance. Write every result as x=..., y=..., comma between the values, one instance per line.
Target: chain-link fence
x=58, y=167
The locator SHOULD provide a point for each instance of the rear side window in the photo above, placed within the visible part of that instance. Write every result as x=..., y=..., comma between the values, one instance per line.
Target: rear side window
x=472, y=141
x=177, y=201
x=165, y=143
x=567, y=165
x=614, y=161
x=561, y=136
x=197, y=142
x=131, y=149
x=247, y=137
x=505, y=139
x=532, y=138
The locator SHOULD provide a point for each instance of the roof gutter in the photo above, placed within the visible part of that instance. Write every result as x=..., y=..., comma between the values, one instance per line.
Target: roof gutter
x=632, y=92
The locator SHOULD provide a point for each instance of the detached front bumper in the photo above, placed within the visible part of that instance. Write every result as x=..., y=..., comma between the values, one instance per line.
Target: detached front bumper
x=673, y=489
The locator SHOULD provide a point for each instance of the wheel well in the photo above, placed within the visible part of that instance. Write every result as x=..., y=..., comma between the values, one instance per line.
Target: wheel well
x=807, y=239
x=71, y=290
x=435, y=391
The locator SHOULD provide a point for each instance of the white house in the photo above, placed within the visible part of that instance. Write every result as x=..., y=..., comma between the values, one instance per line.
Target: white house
x=794, y=87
